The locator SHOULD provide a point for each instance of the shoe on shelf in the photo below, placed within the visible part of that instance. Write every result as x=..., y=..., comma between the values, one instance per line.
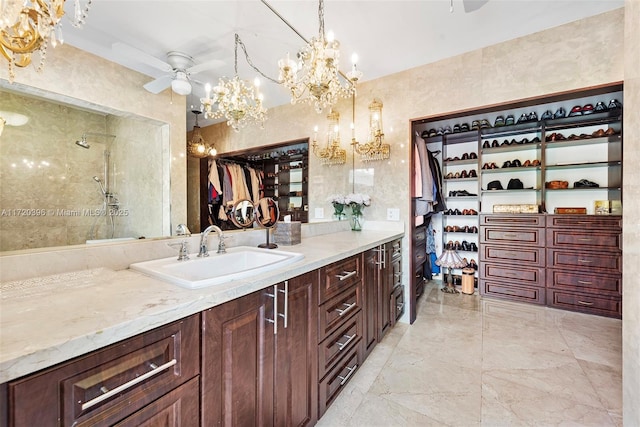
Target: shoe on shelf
x=532, y=117
x=575, y=111
x=475, y=125
x=465, y=246
x=499, y=121
x=465, y=156
x=610, y=131
x=516, y=163
x=473, y=173
x=447, y=130
x=456, y=212
x=456, y=128
x=506, y=164
x=485, y=144
x=600, y=107
x=464, y=174
x=484, y=124
x=510, y=120
x=614, y=103
x=464, y=127
x=523, y=119
x=457, y=246
x=584, y=183
x=473, y=229
x=560, y=113
x=473, y=264
x=473, y=247
x=547, y=115
x=473, y=156
x=587, y=109
x=526, y=163
x=598, y=133
x=449, y=175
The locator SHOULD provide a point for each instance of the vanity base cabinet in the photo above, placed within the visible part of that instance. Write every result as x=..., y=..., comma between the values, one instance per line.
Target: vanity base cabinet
x=136, y=379
x=259, y=355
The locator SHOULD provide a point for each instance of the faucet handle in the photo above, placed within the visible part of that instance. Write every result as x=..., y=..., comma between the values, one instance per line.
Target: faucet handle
x=182, y=230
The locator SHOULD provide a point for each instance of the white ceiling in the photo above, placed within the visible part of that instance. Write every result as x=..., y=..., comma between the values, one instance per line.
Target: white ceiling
x=388, y=35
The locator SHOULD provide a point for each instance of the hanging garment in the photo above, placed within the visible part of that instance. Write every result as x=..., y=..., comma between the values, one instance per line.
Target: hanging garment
x=425, y=199
x=214, y=178
x=434, y=166
x=255, y=185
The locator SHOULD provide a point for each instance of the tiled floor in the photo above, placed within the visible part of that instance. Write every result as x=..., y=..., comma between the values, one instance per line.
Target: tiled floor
x=472, y=362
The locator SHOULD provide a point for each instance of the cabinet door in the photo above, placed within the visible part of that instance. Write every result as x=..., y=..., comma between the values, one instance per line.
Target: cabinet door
x=370, y=300
x=237, y=362
x=296, y=352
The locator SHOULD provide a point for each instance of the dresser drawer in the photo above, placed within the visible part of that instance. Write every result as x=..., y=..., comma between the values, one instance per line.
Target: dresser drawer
x=583, y=261
x=530, y=256
x=419, y=235
x=512, y=236
x=609, y=284
x=513, y=220
x=397, y=302
x=339, y=343
x=104, y=387
x=517, y=275
x=589, y=239
x=333, y=313
x=582, y=222
x=331, y=385
x=419, y=255
x=418, y=280
x=586, y=303
x=396, y=249
x=338, y=276
x=528, y=294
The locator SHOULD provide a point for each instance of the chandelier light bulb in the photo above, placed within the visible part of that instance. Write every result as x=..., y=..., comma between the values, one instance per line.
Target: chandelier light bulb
x=330, y=36
x=256, y=82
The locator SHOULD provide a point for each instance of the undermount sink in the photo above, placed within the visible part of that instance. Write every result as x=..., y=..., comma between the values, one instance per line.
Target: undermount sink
x=236, y=263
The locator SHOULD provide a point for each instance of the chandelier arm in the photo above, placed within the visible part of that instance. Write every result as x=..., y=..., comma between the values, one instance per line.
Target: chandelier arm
x=275, y=12
x=321, y=18
x=246, y=55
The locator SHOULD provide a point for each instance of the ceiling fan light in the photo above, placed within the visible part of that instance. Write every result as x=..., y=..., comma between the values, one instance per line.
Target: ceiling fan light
x=181, y=87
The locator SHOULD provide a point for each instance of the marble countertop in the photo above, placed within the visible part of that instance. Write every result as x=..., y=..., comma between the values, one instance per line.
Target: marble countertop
x=51, y=319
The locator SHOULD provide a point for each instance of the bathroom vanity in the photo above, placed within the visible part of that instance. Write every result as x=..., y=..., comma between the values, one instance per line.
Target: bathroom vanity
x=116, y=347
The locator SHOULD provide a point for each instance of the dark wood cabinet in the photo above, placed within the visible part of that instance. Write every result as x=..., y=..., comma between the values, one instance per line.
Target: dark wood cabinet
x=259, y=357
x=370, y=297
x=107, y=386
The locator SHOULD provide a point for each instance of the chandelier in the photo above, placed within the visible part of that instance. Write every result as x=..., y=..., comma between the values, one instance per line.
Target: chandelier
x=197, y=146
x=374, y=149
x=235, y=99
x=332, y=153
x=313, y=78
x=27, y=26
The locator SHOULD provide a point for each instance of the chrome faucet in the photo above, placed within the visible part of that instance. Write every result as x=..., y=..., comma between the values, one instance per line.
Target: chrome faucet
x=183, y=251
x=204, y=251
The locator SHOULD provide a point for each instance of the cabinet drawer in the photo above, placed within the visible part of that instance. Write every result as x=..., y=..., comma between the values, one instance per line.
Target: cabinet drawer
x=510, y=236
x=590, y=239
x=396, y=271
x=419, y=235
x=106, y=386
x=335, y=380
x=338, y=276
x=522, y=275
x=513, y=220
x=586, y=303
x=530, y=256
x=396, y=249
x=338, y=344
x=585, y=261
x=397, y=302
x=333, y=313
x=419, y=255
x=609, y=284
x=583, y=221
x=529, y=294
x=418, y=280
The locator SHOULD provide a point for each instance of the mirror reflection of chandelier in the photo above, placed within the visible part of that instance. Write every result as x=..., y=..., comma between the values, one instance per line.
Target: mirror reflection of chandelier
x=332, y=153
x=314, y=79
x=235, y=99
x=27, y=26
x=197, y=146
x=374, y=149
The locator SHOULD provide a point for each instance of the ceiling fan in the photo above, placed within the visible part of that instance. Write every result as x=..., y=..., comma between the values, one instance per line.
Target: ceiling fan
x=178, y=66
x=471, y=5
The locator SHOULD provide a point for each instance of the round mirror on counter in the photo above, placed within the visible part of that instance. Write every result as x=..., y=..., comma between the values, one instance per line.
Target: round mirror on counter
x=267, y=214
x=243, y=213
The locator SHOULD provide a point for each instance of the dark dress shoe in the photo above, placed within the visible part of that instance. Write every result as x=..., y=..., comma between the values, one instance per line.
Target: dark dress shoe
x=584, y=183
x=485, y=144
x=532, y=117
x=499, y=121
x=484, y=124
x=465, y=246
x=587, y=109
x=486, y=166
x=433, y=132
x=547, y=115
x=510, y=120
x=523, y=119
x=447, y=130
x=560, y=113
x=457, y=246
x=475, y=125
x=456, y=128
x=600, y=107
x=424, y=134
x=494, y=143
x=506, y=164
x=464, y=174
x=473, y=247
x=473, y=173
x=473, y=264
x=465, y=156
x=575, y=111
x=535, y=140
x=473, y=156
x=515, y=163
x=504, y=143
x=464, y=127
x=614, y=103
x=523, y=141
x=473, y=229
x=456, y=212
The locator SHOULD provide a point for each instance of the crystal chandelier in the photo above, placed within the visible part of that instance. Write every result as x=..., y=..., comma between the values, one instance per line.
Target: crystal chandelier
x=27, y=26
x=374, y=149
x=197, y=146
x=332, y=153
x=313, y=79
x=236, y=100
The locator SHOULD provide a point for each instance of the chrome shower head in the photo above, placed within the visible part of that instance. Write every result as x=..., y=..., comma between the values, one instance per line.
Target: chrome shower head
x=99, y=181
x=83, y=142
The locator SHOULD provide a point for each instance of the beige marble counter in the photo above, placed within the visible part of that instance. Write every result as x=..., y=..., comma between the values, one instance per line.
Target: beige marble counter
x=49, y=319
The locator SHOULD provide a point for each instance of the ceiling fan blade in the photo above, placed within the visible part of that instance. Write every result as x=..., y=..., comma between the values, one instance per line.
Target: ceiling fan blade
x=471, y=5
x=208, y=65
x=158, y=85
x=140, y=56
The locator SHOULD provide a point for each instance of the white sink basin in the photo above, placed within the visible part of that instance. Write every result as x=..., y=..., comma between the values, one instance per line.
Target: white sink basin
x=237, y=263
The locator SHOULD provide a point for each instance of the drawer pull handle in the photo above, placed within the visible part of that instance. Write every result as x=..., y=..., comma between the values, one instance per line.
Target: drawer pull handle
x=585, y=239
x=509, y=291
x=346, y=343
x=128, y=384
x=346, y=275
x=584, y=303
x=399, y=307
x=585, y=282
x=510, y=254
x=346, y=377
x=349, y=307
x=397, y=274
x=510, y=235
x=585, y=261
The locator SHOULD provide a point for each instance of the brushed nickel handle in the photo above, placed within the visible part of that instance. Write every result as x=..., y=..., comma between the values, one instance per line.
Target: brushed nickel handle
x=274, y=295
x=346, y=275
x=110, y=393
x=346, y=377
x=584, y=303
x=585, y=261
x=346, y=343
x=584, y=282
x=509, y=291
x=349, y=307
x=585, y=239
x=399, y=307
x=510, y=235
x=511, y=254
x=285, y=291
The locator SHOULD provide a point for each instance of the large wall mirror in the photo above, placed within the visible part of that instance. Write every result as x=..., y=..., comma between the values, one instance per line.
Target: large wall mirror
x=75, y=174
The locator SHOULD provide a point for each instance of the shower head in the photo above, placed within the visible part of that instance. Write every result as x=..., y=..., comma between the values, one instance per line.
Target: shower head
x=99, y=181
x=83, y=142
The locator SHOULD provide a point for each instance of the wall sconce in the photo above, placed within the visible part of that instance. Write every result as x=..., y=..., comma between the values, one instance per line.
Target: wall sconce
x=332, y=153
x=9, y=118
x=374, y=149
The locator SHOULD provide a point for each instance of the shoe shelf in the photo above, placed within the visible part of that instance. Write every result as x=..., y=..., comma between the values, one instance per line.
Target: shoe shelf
x=580, y=142
x=460, y=179
x=572, y=166
x=517, y=129
x=518, y=190
x=461, y=198
x=593, y=119
x=512, y=147
x=554, y=190
x=461, y=137
x=448, y=163
x=511, y=170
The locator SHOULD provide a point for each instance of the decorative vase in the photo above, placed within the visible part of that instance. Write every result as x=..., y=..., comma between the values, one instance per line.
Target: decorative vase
x=356, y=217
x=338, y=211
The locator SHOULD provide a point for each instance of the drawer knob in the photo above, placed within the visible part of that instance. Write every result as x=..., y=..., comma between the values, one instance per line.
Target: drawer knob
x=346, y=377
x=346, y=274
x=127, y=385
